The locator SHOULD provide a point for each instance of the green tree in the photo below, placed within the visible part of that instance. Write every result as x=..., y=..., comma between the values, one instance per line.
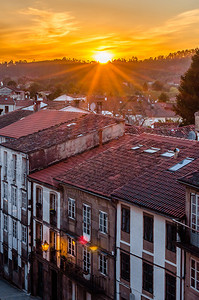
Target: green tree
x=163, y=97
x=12, y=84
x=157, y=85
x=188, y=98
x=145, y=87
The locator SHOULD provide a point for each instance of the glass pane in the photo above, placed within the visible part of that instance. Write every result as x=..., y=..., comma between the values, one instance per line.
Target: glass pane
x=192, y=282
x=193, y=264
x=193, y=209
x=192, y=273
x=197, y=266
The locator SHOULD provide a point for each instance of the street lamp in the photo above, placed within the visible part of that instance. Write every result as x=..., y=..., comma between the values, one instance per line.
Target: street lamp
x=45, y=246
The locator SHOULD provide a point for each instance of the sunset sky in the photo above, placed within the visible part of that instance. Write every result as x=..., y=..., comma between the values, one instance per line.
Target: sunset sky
x=82, y=28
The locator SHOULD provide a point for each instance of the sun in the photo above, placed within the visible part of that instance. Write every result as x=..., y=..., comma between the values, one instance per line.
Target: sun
x=103, y=57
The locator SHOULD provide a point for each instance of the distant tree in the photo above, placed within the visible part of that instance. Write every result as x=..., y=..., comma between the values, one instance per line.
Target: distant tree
x=34, y=89
x=188, y=98
x=163, y=97
x=12, y=84
x=145, y=87
x=157, y=85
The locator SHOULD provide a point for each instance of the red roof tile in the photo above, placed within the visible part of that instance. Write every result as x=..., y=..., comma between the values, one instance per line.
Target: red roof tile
x=38, y=121
x=13, y=117
x=61, y=133
x=132, y=175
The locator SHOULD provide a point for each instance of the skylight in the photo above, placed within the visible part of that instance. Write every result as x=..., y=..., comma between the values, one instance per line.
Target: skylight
x=71, y=124
x=181, y=164
x=169, y=153
x=136, y=147
x=152, y=150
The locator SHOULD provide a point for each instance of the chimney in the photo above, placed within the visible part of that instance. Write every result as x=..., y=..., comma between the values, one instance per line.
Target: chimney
x=99, y=107
x=176, y=152
x=76, y=102
x=197, y=124
x=36, y=103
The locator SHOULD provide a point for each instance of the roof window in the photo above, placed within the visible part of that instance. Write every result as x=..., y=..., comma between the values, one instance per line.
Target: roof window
x=152, y=150
x=71, y=124
x=181, y=164
x=136, y=147
x=169, y=153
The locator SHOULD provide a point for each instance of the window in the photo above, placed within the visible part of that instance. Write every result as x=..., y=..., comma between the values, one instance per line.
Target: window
x=194, y=212
x=103, y=264
x=171, y=237
x=23, y=200
x=71, y=208
x=5, y=191
x=125, y=266
x=39, y=196
x=52, y=202
x=195, y=274
x=103, y=222
x=6, y=109
x=5, y=223
x=136, y=147
x=5, y=165
x=24, y=171
x=181, y=164
x=86, y=260
x=148, y=277
x=152, y=150
x=14, y=229
x=170, y=287
x=14, y=158
x=39, y=233
x=53, y=239
x=14, y=195
x=24, y=234
x=148, y=228
x=71, y=246
x=126, y=220
x=86, y=219
x=15, y=262
x=169, y=153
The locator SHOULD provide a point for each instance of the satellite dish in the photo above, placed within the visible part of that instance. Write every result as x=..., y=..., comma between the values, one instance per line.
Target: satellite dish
x=92, y=106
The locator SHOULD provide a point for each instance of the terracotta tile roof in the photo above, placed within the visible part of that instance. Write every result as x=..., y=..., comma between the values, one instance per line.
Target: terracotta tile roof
x=181, y=132
x=150, y=183
x=13, y=117
x=37, y=121
x=191, y=179
x=80, y=125
x=23, y=103
x=47, y=176
x=6, y=100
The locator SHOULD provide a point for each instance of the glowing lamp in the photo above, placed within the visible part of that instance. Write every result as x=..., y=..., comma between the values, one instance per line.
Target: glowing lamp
x=45, y=246
x=73, y=242
x=93, y=248
x=83, y=240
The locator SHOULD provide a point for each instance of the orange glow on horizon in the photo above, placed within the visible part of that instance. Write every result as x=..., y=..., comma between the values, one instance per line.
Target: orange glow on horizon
x=103, y=57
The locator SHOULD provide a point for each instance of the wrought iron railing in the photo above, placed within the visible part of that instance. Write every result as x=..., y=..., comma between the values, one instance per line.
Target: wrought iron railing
x=96, y=284
x=188, y=235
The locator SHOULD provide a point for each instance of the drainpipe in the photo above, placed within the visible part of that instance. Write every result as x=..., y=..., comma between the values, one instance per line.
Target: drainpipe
x=113, y=203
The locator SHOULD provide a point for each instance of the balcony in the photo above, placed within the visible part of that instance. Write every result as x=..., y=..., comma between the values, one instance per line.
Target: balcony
x=53, y=217
x=189, y=239
x=95, y=284
x=39, y=212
